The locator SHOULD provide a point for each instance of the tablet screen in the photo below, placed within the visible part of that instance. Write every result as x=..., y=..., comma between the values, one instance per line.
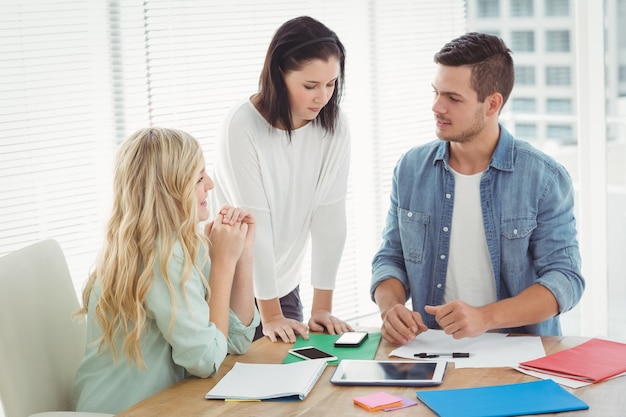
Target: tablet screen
x=373, y=372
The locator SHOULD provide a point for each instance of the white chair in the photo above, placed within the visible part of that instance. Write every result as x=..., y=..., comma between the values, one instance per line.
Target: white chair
x=41, y=345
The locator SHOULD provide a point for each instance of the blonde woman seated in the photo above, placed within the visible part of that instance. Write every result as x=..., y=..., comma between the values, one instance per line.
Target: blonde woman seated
x=166, y=299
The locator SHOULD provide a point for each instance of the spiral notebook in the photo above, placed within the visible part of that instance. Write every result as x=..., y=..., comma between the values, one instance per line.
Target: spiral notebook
x=265, y=381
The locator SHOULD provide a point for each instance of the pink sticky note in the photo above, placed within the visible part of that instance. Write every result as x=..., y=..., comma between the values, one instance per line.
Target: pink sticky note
x=378, y=401
x=405, y=403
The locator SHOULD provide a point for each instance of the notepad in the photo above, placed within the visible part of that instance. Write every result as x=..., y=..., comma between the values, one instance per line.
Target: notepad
x=262, y=381
x=378, y=401
x=525, y=398
x=592, y=361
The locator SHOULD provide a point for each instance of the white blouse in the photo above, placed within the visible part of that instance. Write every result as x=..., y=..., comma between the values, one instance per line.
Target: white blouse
x=295, y=188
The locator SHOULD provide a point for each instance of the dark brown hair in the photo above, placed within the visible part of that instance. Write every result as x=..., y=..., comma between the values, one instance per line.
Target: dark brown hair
x=295, y=43
x=489, y=59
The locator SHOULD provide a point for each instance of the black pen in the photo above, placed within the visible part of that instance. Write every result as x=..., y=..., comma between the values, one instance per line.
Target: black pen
x=425, y=355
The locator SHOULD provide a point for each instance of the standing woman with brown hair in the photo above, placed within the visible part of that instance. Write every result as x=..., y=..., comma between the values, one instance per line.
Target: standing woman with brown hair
x=284, y=153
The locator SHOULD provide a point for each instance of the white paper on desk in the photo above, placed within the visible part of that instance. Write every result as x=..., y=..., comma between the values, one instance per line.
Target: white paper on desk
x=572, y=383
x=489, y=350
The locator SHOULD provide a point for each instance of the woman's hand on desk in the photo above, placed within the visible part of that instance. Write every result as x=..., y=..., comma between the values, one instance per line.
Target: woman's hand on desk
x=324, y=321
x=285, y=329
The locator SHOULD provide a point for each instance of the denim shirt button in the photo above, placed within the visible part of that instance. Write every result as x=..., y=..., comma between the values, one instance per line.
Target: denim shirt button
x=448, y=196
x=445, y=228
x=443, y=256
x=439, y=285
x=409, y=214
x=514, y=231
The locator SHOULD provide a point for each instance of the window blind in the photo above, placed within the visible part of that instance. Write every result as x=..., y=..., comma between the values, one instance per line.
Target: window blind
x=81, y=77
x=53, y=127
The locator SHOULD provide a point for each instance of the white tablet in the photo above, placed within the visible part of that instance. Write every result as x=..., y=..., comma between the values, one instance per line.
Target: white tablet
x=394, y=373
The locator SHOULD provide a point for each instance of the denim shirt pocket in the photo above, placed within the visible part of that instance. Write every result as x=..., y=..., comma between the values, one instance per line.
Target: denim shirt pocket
x=413, y=234
x=515, y=242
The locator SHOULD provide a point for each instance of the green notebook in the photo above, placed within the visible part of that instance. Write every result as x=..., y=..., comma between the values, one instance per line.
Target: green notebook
x=325, y=342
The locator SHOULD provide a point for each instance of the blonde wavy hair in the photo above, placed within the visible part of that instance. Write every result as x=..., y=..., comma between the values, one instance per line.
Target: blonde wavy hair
x=154, y=206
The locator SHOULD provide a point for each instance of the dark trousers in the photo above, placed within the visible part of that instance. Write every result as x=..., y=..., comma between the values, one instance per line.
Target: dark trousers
x=292, y=309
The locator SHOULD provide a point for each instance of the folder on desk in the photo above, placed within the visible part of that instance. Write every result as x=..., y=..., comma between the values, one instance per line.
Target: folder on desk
x=520, y=399
x=592, y=361
x=326, y=342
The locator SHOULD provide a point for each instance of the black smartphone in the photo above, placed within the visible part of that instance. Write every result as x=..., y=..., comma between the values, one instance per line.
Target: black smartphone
x=310, y=352
x=351, y=339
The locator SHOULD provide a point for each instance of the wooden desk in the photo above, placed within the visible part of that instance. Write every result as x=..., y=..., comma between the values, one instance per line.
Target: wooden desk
x=186, y=398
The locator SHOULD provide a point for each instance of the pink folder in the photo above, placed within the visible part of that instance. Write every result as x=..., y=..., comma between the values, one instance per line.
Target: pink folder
x=591, y=361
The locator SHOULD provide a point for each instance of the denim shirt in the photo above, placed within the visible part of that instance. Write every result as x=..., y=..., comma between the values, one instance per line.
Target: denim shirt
x=527, y=204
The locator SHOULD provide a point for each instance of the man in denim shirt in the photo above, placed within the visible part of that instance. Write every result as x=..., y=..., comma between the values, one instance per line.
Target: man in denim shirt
x=480, y=233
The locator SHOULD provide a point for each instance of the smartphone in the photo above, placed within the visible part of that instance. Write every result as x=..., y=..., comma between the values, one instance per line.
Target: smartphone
x=351, y=339
x=310, y=352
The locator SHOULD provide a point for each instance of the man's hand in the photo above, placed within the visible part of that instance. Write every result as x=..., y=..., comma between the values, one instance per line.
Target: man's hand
x=401, y=325
x=459, y=319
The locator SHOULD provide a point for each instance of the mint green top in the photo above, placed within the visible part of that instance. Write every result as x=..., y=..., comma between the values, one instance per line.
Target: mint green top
x=193, y=347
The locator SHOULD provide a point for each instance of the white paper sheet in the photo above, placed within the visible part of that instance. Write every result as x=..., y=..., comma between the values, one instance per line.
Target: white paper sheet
x=489, y=350
x=572, y=383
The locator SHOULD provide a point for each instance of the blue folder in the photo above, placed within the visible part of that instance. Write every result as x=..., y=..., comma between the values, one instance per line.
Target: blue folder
x=520, y=399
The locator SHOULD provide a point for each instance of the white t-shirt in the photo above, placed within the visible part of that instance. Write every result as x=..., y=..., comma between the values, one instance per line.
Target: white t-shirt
x=295, y=188
x=470, y=275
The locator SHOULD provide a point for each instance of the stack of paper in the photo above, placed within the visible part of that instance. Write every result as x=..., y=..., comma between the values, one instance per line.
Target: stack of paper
x=592, y=361
x=502, y=400
x=489, y=350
